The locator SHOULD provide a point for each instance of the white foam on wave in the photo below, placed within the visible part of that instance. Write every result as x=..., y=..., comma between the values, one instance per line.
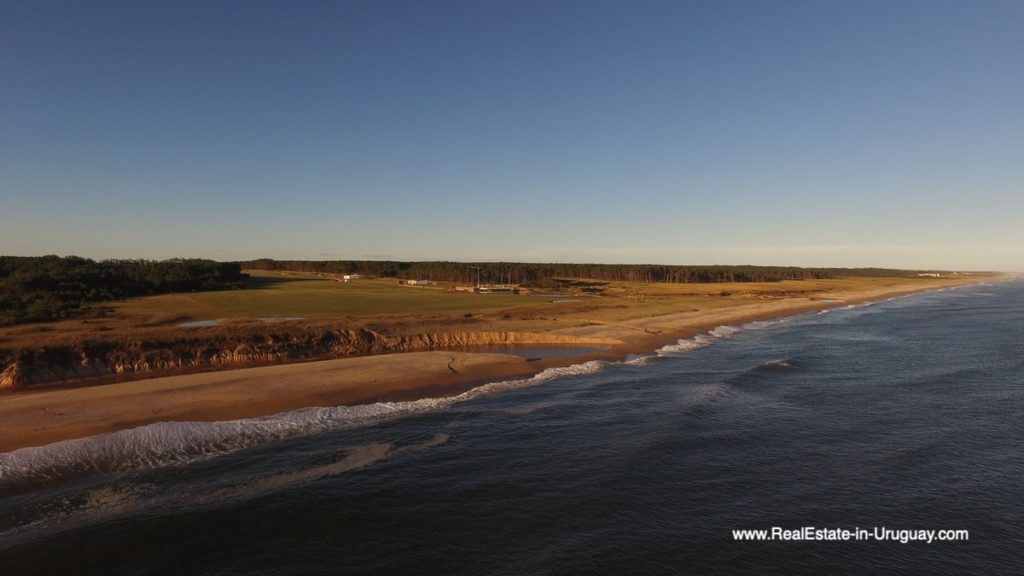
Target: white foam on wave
x=724, y=331
x=685, y=345
x=764, y=324
x=175, y=443
x=638, y=360
x=169, y=443
x=720, y=333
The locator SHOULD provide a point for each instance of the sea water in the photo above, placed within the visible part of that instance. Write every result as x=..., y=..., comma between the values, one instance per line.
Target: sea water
x=897, y=418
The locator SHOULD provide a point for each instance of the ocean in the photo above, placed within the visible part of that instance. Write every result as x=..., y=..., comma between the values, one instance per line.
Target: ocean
x=883, y=423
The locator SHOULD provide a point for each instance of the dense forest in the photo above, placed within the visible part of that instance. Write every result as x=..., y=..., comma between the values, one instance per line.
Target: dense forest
x=541, y=274
x=34, y=289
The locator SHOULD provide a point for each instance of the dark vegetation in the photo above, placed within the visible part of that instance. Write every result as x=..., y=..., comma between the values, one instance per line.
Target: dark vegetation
x=549, y=274
x=37, y=289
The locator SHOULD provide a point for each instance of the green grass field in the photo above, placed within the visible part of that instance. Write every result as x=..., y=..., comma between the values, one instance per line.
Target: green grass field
x=309, y=296
x=384, y=304
x=271, y=294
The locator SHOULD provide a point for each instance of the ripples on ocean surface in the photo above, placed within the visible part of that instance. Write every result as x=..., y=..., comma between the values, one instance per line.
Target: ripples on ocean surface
x=903, y=414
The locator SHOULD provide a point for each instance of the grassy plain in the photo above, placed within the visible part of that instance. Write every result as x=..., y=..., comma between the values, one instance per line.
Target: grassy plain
x=310, y=296
x=290, y=295
x=386, y=306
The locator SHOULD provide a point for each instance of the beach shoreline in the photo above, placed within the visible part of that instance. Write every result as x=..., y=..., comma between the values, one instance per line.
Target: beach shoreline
x=40, y=417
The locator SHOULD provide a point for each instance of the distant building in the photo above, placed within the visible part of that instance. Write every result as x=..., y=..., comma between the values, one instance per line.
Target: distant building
x=497, y=289
x=418, y=282
x=350, y=277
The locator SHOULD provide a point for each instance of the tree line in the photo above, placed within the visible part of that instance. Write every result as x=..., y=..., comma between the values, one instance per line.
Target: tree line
x=542, y=274
x=35, y=289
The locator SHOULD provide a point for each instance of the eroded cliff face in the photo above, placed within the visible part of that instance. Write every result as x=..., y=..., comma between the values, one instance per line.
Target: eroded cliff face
x=92, y=362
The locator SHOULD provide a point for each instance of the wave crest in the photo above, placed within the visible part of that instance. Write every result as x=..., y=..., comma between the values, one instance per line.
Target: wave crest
x=720, y=333
x=175, y=443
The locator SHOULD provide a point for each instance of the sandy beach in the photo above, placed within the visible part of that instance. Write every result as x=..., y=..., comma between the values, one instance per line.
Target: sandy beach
x=35, y=418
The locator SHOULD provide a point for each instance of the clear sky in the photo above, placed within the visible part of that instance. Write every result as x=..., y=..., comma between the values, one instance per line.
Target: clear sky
x=838, y=133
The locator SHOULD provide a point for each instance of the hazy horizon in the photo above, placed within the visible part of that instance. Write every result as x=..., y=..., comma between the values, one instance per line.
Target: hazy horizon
x=858, y=134
x=380, y=258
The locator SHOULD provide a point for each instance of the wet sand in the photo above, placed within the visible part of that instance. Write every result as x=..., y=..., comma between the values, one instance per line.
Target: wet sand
x=41, y=417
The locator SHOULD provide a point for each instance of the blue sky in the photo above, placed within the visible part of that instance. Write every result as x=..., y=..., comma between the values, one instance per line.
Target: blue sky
x=790, y=133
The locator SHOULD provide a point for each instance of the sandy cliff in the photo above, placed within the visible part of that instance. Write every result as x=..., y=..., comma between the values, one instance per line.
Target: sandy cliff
x=100, y=361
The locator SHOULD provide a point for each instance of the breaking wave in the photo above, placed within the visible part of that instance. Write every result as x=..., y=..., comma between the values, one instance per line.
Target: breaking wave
x=685, y=345
x=638, y=360
x=175, y=443
x=720, y=333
